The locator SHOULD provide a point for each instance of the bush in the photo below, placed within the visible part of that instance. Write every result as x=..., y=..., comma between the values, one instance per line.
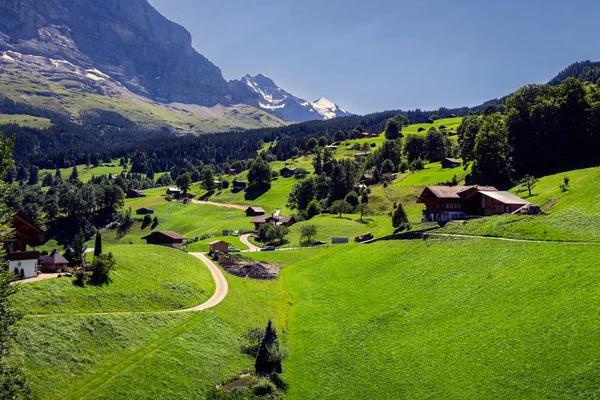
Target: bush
x=352, y=198
x=101, y=268
x=313, y=209
x=263, y=387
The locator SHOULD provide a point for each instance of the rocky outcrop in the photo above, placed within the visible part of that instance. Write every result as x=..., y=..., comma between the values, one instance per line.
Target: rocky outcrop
x=126, y=39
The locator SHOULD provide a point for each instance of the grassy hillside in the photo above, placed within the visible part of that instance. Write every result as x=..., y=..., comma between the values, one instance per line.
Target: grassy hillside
x=190, y=220
x=443, y=319
x=146, y=278
x=573, y=215
x=130, y=356
x=25, y=120
x=66, y=89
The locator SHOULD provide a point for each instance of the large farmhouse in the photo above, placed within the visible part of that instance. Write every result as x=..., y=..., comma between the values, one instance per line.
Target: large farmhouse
x=446, y=203
x=15, y=240
x=165, y=238
x=272, y=219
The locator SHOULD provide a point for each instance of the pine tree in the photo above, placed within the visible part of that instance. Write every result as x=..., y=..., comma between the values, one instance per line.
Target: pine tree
x=74, y=174
x=98, y=245
x=400, y=219
x=264, y=364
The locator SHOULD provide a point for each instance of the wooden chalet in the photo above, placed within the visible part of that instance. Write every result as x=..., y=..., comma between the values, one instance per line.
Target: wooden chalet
x=448, y=163
x=165, y=238
x=239, y=185
x=53, y=262
x=286, y=172
x=447, y=203
x=134, y=194
x=220, y=246
x=272, y=219
x=173, y=191
x=144, y=211
x=15, y=239
x=255, y=211
x=367, y=179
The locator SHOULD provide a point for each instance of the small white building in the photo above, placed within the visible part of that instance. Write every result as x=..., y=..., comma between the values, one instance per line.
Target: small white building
x=24, y=263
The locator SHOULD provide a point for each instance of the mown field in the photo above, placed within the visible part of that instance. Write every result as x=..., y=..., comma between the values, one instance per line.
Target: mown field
x=146, y=278
x=137, y=355
x=443, y=319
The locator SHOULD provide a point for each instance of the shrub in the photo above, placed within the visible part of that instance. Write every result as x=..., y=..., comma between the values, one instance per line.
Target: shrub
x=101, y=268
x=313, y=209
x=263, y=387
x=352, y=198
x=80, y=278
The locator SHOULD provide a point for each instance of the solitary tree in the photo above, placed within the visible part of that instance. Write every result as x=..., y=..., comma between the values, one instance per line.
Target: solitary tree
x=341, y=207
x=363, y=209
x=264, y=364
x=260, y=173
x=308, y=232
x=98, y=245
x=392, y=129
x=184, y=181
x=101, y=268
x=528, y=183
x=208, y=179
x=400, y=219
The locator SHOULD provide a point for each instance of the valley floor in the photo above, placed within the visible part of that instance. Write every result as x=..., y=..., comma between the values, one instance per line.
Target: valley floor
x=452, y=316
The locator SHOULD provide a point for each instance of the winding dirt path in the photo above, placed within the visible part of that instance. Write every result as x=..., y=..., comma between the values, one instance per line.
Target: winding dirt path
x=212, y=203
x=251, y=247
x=221, y=291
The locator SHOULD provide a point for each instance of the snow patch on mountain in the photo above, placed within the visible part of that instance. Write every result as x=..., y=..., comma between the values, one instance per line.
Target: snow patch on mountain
x=286, y=106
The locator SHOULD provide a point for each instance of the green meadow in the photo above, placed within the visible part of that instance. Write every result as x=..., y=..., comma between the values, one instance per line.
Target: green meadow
x=25, y=120
x=146, y=278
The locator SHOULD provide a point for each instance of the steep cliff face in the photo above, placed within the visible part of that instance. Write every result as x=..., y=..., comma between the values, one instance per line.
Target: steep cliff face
x=126, y=39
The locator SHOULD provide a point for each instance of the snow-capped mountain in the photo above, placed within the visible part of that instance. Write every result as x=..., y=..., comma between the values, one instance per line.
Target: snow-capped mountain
x=288, y=107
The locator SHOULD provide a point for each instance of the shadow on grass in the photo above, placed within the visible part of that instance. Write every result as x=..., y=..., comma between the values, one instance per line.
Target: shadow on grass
x=255, y=191
x=207, y=195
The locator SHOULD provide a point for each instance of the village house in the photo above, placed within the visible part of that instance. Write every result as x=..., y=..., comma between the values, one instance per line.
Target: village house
x=286, y=172
x=144, y=211
x=134, y=193
x=255, y=211
x=165, y=238
x=421, y=129
x=448, y=163
x=274, y=220
x=220, y=246
x=14, y=240
x=173, y=191
x=239, y=185
x=367, y=179
x=53, y=263
x=447, y=203
x=231, y=172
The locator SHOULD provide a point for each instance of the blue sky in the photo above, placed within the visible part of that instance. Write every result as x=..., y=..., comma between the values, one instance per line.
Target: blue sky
x=376, y=55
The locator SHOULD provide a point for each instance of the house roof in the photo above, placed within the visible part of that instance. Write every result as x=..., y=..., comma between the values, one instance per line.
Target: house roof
x=453, y=192
x=174, y=189
x=219, y=241
x=367, y=176
x=285, y=219
x=288, y=169
x=504, y=197
x=256, y=209
x=144, y=209
x=452, y=160
x=260, y=219
x=136, y=191
x=53, y=258
x=24, y=255
x=169, y=234
x=21, y=224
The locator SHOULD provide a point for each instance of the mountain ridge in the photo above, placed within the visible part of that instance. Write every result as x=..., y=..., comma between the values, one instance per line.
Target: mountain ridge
x=288, y=107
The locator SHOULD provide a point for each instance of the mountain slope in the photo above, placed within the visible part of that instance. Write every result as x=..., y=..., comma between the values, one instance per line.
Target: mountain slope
x=286, y=106
x=126, y=39
x=52, y=88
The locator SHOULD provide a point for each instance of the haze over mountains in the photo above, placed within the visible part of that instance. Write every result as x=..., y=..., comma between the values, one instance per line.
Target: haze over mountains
x=124, y=56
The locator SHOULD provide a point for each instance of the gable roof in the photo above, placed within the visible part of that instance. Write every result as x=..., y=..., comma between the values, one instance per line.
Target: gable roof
x=260, y=219
x=452, y=192
x=219, y=241
x=255, y=209
x=452, y=160
x=504, y=197
x=53, y=259
x=169, y=234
